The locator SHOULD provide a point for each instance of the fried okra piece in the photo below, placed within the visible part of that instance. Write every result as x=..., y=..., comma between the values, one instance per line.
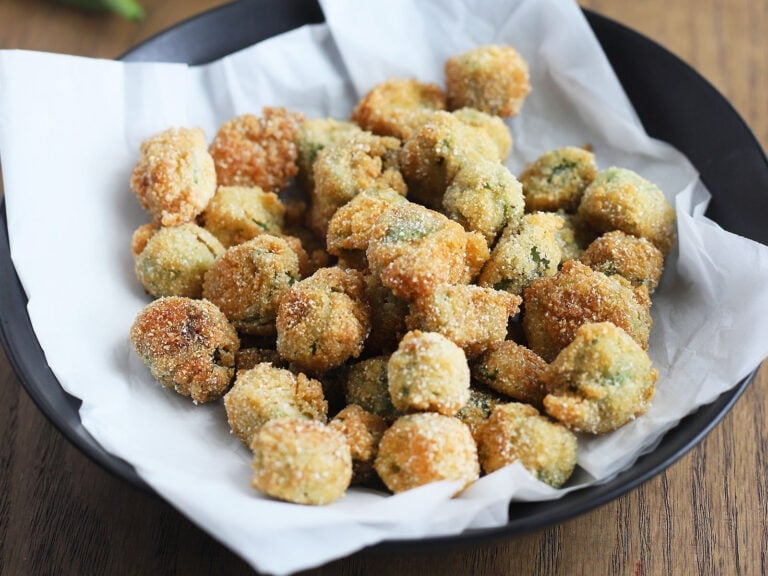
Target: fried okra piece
x=477, y=410
x=620, y=199
x=556, y=306
x=522, y=255
x=174, y=259
x=368, y=387
x=363, y=431
x=432, y=156
x=248, y=281
x=636, y=259
x=484, y=197
x=512, y=370
x=573, y=237
x=422, y=448
x=174, y=177
x=237, y=214
x=397, y=107
x=252, y=151
x=362, y=163
x=248, y=358
x=265, y=392
x=301, y=461
x=493, y=79
x=312, y=137
x=493, y=126
x=601, y=381
x=472, y=317
x=188, y=345
x=428, y=373
x=323, y=320
x=557, y=179
x=412, y=250
x=518, y=433
x=388, y=314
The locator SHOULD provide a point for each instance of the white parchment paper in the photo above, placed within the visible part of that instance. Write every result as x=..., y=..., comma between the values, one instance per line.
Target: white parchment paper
x=70, y=129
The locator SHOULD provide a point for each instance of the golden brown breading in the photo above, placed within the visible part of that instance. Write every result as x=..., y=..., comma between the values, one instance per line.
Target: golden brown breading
x=248, y=358
x=556, y=306
x=312, y=137
x=237, y=214
x=493, y=126
x=422, y=448
x=601, y=381
x=512, y=370
x=493, y=79
x=573, y=237
x=367, y=386
x=636, y=259
x=251, y=151
x=477, y=410
x=363, y=431
x=174, y=177
x=557, y=179
x=188, y=345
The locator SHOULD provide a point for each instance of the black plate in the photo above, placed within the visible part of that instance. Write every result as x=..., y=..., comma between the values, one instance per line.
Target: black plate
x=675, y=104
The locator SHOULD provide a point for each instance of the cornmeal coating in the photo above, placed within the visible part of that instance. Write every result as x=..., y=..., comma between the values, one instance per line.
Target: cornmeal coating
x=412, y=250
x=312, y=137
x=252, y=151
x=323, y=320
x=512, y=370
x=433, y=154
x=636, y=259
x=484, y=197
x=301, y=461
x=367, y=386
x=388, y=314
x=362, y=163
x=250, y=357
x=428, y=373
x=573, y=237
x=620, y=199
x=188, y=345
x=492, y=78
x=600, y=381
x=518, y=433
x=174, y=259
x=422, y=448
x=522, y=255
x=557, y=179
x=493, y=126
x=237, y=214
x=265, y=392
x=174, y=177
x=477, y=410
x=556, y=306
x=472, y=317
x=248, y=281
x=363, y=431
x=397, y=107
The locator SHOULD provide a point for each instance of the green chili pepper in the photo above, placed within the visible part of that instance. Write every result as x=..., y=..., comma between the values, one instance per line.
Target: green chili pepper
x=130, y=9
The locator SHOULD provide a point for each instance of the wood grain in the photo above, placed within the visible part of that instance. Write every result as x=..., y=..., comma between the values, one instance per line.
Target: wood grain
x=707, y=514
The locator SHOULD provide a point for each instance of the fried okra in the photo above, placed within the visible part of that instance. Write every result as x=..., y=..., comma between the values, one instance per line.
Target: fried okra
x=573, y=237
x=397, y=107
x=188, y=345
x=252, y=151
x=522, y=255
x=174, y=177
x=362, y=163
x=518, y=433
x=174, y=259
x=248, y=358
x=312, y=137
x=620, y=199
x=472, y=317
x=493, y=126
x=248, y=281
x=601, y=381
x=493, y=79
x=363, y=431
x=412, y=250
x=264, y=393
x=368, y=387
x=323, y=320
x=512, y=370
x=556, y=306
x=301, y=461
x=636, y=259
x=477, y=410
x=422, y=448
x=237, y=214
x=484, y=197
x=428, y=373
x=557, y=179
x=388, y=314
x=432, y=156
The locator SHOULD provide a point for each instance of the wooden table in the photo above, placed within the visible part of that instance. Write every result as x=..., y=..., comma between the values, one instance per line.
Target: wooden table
x=707, y=514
